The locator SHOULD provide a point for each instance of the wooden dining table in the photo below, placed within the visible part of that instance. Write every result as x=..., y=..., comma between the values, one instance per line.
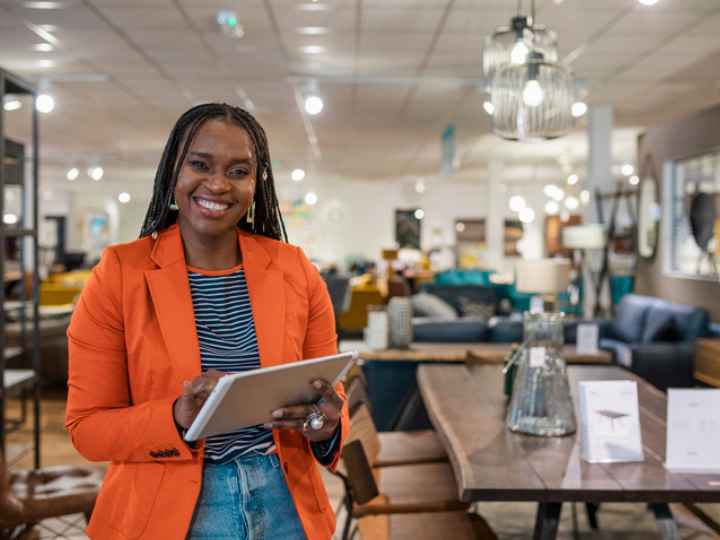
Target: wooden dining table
x=467, y=407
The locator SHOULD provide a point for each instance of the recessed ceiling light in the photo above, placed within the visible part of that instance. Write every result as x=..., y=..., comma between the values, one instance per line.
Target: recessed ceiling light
x=45, y=63
x=48, y=27
x=627, y=169
x=72, y=174
x=43, y=5
x=314, y=105
x=43, y=47
x=311, y=198
x=12, y=103
x=297, y=175
x=124, y=197
x=634, y=180
x=313, y=7
x=45, y=103
x=648, y=2
x=312, y=30
x=313, y=49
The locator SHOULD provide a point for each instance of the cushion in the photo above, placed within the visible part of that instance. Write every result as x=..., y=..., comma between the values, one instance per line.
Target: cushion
x=505, y=330
x=621, y=352
x=452, y=294
x=659, y=326
x=473, y=308
x=429, y=305
x=465, y=330
x=629, y=323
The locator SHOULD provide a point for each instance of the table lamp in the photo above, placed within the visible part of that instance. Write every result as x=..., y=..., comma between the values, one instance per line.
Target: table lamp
x=545, y=277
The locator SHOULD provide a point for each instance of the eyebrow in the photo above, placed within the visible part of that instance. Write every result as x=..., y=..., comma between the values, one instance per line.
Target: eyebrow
x=207, y=155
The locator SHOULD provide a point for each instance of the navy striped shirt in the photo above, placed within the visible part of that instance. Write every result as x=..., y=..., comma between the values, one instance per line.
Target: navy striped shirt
x=226, y=332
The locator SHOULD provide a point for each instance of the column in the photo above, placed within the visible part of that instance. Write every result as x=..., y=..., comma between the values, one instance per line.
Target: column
x=495, y=216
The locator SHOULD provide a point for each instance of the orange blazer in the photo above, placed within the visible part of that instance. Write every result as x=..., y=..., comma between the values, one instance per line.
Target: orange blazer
x=132, y=342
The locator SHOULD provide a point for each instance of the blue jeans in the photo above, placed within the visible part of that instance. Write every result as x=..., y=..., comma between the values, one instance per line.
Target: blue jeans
x=245, y=499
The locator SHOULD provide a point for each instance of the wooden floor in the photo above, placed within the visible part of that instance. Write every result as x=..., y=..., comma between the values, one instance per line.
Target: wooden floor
x=510, y=521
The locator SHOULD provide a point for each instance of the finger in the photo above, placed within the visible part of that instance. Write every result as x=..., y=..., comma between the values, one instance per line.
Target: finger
x=293, y=412
x=285, y=424
x=327, y=392
x=215, y=374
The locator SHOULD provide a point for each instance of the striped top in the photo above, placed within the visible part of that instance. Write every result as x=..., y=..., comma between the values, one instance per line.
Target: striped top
x=226, y=332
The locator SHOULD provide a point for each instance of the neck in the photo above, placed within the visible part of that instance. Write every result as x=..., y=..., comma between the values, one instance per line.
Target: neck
x=210, y=252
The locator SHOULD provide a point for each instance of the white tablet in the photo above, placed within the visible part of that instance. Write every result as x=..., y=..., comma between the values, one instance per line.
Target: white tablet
x=248, y=398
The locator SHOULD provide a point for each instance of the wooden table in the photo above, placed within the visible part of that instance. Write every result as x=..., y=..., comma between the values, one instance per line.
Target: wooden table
x=488, y=353
x=707, y=361
x=467, y=408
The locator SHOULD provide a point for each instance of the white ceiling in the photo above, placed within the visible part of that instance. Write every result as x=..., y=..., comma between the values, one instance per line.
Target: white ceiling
x=395, y=73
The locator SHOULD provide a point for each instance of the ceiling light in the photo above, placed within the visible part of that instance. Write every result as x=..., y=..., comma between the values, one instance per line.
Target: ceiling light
x=627, y=169
x=489, y=108
x=526, y=215
x=313, y=7
x=11, y=103
x=519, y=52
x=45, y=63
x=634, y=180
x=648, y=2
x=96, y=173
x=585, y=197
x=311, y=198
x=45, y=103
x=517, y=203
x=43, y=5
x=43, y=47
x=312, y=30
x=571, y=203
x=552, y=208
x=72, y=174
x=313, y=49
x=124, y=197
x=459, y=226
x=533, y=94
x=313, y=105
x=558, y=195
x=420, y=187
x=419, y=213
x=297, y=175
x=572, y=179
x=579, y=108
x=10, y=219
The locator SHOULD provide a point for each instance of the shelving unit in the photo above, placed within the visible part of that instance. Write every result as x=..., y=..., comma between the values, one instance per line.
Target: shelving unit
x=23, y=383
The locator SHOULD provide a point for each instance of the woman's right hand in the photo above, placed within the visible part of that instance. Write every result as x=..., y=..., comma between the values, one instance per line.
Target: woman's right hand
x=194, y=394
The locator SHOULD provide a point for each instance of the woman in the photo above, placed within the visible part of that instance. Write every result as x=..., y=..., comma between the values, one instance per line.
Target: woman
x=208, y=288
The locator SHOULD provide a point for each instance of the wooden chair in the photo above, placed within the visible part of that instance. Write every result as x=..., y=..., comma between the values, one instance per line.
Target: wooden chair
x=394, y=447
x=28, y=497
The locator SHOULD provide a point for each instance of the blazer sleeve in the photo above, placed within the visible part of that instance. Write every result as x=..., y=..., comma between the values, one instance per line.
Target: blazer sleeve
x=321, y=339
x=103, y=421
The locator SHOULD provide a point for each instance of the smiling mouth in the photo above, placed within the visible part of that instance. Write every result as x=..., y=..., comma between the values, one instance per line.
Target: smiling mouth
x=213, y=206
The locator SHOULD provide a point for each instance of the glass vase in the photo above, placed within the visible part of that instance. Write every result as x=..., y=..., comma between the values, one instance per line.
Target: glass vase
x=541, y=404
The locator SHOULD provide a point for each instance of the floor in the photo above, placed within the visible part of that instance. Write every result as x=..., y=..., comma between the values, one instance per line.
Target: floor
x=510, y=521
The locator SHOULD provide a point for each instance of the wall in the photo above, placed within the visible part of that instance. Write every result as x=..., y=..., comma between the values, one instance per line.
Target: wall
x=696, y=134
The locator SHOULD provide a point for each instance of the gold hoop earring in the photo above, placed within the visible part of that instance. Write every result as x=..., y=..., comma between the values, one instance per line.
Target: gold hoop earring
x=250, y=215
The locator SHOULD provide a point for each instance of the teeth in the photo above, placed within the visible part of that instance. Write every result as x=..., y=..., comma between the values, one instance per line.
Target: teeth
x=211, y=205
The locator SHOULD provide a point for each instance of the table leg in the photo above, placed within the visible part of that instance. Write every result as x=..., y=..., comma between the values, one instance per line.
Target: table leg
x=547, y=521
x=666, y=525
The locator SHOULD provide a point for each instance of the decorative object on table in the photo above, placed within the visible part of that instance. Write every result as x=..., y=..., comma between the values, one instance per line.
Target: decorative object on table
x=586, y=243
x=510, y=370
x=609, y=421
x=399, y=311
x=693, y=431
x=541, y=404
x=531, y=94
x=546, y=277
x=376, y=331
x=649, y=212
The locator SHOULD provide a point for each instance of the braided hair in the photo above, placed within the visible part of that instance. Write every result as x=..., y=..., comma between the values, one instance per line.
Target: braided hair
x=267, y=221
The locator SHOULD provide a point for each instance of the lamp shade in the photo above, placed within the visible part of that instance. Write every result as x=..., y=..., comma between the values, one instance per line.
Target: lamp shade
x=591, y=236
x=542, y=276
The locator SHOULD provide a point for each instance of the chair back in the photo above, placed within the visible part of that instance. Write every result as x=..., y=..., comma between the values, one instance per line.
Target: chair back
x=362, y=429
x=357, y=394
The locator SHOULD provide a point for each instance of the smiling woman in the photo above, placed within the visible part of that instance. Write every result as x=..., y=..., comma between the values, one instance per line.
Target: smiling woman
x=209, y=288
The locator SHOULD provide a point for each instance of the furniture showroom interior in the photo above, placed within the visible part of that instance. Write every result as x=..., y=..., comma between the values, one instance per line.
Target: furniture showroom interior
x=512, y=206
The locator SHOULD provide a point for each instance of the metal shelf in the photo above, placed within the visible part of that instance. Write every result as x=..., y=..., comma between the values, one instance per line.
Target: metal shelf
x=16, y=379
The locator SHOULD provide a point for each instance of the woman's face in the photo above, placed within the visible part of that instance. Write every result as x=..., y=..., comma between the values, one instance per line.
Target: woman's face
x=216, y=184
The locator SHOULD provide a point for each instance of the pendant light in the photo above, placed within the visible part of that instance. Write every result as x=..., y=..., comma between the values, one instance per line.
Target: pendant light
x=513, y=44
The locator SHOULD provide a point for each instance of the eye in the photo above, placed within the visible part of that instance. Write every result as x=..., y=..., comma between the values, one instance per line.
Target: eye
x=198, y=165
x=238, y=173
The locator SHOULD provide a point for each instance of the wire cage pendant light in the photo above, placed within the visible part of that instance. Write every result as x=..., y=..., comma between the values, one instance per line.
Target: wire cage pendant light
x=533, y=101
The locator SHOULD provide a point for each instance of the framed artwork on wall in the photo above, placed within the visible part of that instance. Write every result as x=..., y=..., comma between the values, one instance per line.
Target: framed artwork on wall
x=513, y=233
x=407, y=228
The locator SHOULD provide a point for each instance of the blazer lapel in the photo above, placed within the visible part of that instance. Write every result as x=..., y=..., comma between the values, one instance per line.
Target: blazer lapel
x=266, y=287
x=170, y=291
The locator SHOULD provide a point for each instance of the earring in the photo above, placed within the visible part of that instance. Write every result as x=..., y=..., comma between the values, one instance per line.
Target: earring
x=264, y=175
x=250, y=215
x=173, y=204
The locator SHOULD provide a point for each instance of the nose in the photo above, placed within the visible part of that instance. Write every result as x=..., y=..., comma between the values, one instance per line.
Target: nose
x=217, y=183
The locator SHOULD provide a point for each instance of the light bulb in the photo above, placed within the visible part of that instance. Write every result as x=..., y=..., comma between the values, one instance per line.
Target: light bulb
x=552, y=208
x=10, y=219
x=96, y=173
x=558, y=195
x=517, y=203
x=627, y=169
x=313, y=49
x=297, y=175
x=420, y=187
x=459, y=226
x=11, y=103
x=124, y=197
x=533, y=94
x=571, y=203
x=313, y=105
x=550, y=190
x=311, y=198
x=572, y=179
x=519, y=52
x=419, y=213
x=648, y=2
x=489, y=108
x=634, y=180
x=527, y=215
x=45, y=103
x=72, y=174
x=585, y=197
x=578, y=109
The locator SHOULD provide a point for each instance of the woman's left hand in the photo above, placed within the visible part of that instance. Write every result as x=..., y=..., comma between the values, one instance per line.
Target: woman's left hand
x=295, y=416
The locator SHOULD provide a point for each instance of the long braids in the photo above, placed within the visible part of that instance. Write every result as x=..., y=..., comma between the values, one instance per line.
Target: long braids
x=268, y=220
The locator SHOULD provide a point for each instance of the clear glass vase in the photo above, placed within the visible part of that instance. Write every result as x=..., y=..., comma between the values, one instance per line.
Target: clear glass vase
x=541, y=403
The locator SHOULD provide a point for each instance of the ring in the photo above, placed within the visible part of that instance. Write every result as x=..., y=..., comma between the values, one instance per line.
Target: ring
x=315, y=420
